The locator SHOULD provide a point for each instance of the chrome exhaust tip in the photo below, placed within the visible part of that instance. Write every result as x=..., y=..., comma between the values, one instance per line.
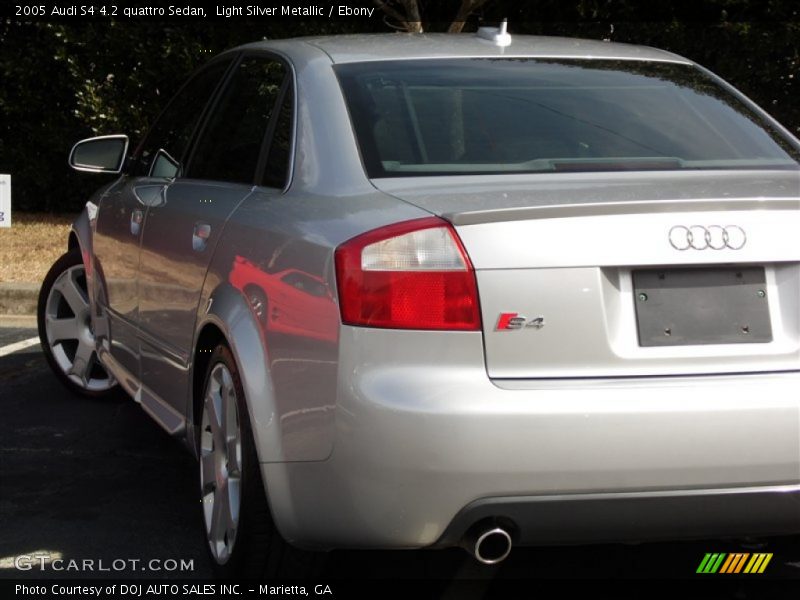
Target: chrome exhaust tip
x=490, y=546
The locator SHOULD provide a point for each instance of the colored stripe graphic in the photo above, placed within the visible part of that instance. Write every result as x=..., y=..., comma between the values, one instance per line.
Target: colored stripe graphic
x=740, y=564
x=726, y=566
x=710, y=562
x=755, y=561
x=736, y=562
x=761, y=563
x=704, y=563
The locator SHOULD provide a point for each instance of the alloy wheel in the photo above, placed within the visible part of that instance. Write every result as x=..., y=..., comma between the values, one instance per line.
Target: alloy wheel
x=221, y=463
x=70, y=337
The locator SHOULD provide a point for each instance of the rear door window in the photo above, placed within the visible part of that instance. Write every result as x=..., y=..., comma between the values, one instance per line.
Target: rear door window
x=231, y=143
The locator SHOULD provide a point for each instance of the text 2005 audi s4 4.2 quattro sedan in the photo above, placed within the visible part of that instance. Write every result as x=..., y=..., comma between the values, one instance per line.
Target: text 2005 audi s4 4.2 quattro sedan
x=411, y=291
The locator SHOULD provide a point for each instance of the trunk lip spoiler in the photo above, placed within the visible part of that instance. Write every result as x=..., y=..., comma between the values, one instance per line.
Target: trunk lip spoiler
x=620, y=208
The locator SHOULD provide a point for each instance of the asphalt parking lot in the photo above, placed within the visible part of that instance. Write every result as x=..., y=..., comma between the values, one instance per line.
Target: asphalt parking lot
x=89, y=479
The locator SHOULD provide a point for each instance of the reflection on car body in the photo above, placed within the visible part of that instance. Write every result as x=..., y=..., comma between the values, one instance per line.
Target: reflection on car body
x=289, y=301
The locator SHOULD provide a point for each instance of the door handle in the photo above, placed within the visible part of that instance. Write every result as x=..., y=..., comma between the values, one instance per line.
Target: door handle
x=200, y=235
x=136, y=221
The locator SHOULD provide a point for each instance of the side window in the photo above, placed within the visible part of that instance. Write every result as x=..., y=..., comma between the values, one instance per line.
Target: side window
x=277, y=169
x=304, y=283
x=231, y=142
x=163, y=149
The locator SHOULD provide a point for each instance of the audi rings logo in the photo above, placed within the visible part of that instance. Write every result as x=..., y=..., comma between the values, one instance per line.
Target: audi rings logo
x=715, y=237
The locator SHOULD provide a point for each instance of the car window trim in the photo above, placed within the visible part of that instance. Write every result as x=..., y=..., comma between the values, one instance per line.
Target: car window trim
x=290, y=82
x=292, y=133
x=266, y=144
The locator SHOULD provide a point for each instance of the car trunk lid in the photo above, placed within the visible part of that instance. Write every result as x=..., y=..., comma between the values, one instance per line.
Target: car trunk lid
x=590, y=275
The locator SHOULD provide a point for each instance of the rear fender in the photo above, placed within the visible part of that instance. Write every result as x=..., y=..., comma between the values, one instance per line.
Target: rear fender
x=228, y=310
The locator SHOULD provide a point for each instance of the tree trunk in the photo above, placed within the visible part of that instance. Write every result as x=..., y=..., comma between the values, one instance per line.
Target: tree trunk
x=413, y=19
x=464, y=11
x=407, y=15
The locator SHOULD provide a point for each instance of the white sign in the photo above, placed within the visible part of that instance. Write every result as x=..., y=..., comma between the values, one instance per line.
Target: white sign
x=5, y=200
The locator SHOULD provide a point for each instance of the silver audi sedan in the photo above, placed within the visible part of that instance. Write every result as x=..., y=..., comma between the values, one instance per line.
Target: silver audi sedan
x=409, y=291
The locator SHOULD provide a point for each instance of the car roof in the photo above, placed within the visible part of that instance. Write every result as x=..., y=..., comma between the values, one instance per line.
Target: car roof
x=394, y=46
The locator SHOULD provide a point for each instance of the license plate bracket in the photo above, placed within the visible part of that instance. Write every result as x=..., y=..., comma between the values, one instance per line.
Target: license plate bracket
x=702, y=305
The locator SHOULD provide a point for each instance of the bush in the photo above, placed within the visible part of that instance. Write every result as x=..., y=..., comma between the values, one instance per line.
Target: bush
x=62, y=82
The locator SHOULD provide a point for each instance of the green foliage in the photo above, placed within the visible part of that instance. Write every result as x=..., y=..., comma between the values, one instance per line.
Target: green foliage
x=65, y=82
x=62, y=81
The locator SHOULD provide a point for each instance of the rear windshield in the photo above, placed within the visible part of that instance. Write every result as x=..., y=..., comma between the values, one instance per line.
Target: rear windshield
x=518, y=115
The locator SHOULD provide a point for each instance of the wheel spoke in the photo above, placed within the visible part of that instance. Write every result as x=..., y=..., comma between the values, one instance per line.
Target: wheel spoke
x=83, y=361
x=234, y=457
x=208, y=509
x=219, y=515
x=209, y=472
x=74, y=296
x=213, y=402
x=230, y=522
x=59, y=330
x=230, y=424
x=225, y=385
x=234, y=494
x=228, y=413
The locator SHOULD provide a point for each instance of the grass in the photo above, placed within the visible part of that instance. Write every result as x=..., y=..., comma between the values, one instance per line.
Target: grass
x=30, y=246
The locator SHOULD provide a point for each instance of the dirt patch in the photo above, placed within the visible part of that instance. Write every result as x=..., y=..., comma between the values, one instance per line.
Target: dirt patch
x=30, y=246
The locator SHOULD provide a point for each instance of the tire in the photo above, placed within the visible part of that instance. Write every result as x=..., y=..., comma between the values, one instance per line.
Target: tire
x=65, y=329
x=240, y=534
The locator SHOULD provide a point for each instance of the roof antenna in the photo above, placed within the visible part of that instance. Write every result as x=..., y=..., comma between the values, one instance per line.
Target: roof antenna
x=499, y=36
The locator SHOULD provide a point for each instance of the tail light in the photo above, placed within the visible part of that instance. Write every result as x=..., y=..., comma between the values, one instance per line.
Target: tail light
x=410, y=275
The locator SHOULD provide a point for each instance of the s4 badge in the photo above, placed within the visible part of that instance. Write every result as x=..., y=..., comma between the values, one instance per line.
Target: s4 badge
x=512, y=321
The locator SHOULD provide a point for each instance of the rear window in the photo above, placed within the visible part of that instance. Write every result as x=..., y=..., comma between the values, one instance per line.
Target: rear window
x=517, y=115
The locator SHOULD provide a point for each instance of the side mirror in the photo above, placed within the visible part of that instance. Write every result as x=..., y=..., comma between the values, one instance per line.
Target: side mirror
x=104, y=154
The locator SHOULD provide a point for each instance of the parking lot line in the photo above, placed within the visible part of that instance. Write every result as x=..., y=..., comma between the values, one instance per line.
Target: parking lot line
x=17, y=346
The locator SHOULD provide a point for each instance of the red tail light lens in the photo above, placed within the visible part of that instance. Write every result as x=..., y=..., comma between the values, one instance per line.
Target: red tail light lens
x=411, y=275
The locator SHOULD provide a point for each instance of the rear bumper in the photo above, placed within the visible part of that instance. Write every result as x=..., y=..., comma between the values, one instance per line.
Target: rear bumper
x=633, y=516
x=426, y=444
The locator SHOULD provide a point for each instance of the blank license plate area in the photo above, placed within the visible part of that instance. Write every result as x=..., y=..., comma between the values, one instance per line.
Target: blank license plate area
x=680, y=307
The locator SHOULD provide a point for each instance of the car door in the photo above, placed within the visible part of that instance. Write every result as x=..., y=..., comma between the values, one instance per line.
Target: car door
x=120, y=220
x=181, y=232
